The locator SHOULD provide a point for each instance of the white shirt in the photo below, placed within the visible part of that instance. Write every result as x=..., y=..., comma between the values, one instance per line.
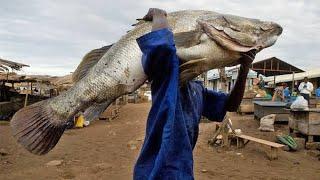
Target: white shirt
x=306, y=88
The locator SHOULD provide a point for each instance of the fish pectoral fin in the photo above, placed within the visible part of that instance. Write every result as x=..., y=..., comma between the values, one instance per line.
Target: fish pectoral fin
x=223, y=39
x=192, y=69
x=187, y=75
x=95, y=110
x=88, y=61
x=193, y=64
x=187, y=39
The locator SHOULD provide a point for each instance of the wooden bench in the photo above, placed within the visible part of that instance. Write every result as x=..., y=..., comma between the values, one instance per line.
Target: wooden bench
x=274, y=146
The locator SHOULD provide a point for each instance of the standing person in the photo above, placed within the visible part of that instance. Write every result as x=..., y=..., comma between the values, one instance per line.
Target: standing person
x=261, y=82
x=173, y=121
x=305, y=89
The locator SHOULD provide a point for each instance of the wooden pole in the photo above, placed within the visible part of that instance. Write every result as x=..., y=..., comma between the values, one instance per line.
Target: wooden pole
x=292, y=86
x=223, y=80
x=26, y=99
x=205, y=79
x=31, y=89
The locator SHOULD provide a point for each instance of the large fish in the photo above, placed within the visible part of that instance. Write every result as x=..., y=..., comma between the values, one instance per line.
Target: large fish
x=204, y=40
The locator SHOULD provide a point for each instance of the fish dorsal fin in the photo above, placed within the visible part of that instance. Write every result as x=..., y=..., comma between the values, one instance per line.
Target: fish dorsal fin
x=88, y=61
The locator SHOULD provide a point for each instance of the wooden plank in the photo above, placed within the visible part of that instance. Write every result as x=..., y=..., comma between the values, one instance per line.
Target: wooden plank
x=262, y=141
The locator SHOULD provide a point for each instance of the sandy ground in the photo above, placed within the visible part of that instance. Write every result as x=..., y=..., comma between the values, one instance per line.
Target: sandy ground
x=108, y=150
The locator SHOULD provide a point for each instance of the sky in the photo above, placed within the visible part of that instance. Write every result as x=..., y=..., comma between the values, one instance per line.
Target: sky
x=53, y=35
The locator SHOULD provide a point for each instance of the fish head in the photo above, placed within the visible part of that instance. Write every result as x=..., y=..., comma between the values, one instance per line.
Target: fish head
x=238, y=33
x=218, y=40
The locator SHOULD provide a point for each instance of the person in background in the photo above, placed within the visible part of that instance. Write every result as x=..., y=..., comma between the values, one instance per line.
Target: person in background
x=305, y=89
x=261, y=82
x=286, y=92
x=318, y=93
x=281, y=92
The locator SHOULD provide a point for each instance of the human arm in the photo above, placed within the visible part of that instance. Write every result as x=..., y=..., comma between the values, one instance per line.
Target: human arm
x=157, y=46
x=237, y=92
x=214, y=105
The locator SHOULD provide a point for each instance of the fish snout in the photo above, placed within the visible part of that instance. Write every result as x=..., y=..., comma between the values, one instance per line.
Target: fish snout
x=278, y=29
x=272, y=27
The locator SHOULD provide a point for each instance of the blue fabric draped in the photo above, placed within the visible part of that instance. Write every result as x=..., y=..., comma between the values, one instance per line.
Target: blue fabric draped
x=172, y=125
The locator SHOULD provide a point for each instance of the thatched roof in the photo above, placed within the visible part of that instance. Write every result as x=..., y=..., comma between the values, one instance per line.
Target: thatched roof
x=11, y=77
x=13, y=65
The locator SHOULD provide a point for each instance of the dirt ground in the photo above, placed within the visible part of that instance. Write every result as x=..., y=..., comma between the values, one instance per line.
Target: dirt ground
x=108, y=150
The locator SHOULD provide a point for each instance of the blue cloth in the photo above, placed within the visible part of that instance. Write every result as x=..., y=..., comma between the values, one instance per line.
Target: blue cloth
x=286, y=92
x=318, y=92
x=172, y=125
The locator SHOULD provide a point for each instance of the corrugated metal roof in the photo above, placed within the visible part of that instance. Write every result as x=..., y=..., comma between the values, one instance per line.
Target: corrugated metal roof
x=274, y=66
x=314, y=73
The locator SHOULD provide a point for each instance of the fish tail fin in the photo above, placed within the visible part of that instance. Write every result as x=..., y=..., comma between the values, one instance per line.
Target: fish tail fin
x=37, y=127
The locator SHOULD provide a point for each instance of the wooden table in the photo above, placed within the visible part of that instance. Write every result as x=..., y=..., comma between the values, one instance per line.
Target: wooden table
x=247, y=105
x=300, y=121
x=263, y=108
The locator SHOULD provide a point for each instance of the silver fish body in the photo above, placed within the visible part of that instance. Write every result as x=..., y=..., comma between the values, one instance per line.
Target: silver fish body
x=204, y=40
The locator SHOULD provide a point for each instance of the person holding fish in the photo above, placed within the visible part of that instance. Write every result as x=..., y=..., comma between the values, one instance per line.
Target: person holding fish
x=173, y=121
x=182, y=45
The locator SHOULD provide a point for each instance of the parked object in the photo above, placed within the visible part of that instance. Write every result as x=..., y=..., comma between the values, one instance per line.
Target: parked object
x=305, y=122
x=266, y=123
x=287, y=140
x=264, y=108
x=300, y=104
x=79, y=121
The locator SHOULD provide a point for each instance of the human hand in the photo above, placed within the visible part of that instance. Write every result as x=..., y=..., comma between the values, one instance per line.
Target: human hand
x=154, y=12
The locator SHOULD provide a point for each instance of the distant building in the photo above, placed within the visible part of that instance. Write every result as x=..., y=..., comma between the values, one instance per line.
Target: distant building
x=214, y=81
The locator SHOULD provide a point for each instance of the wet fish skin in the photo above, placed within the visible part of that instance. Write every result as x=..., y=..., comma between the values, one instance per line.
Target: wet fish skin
x=214, y=40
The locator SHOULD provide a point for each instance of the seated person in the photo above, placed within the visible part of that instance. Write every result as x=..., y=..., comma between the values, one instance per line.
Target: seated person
x=281, y=92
